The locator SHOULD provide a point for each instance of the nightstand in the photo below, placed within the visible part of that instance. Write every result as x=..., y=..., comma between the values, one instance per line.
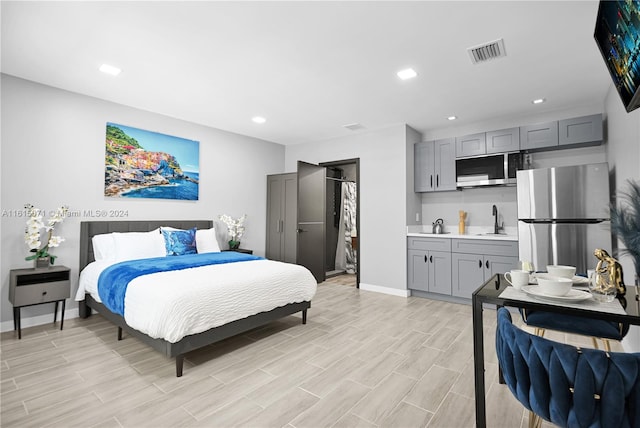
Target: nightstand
x=28, y=287
x=241, y=250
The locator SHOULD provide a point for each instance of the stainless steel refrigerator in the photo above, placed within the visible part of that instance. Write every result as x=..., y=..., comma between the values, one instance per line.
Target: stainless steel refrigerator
x=563, y=215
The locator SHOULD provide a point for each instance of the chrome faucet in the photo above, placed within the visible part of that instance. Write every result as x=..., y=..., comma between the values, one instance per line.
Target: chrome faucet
x=496, y=227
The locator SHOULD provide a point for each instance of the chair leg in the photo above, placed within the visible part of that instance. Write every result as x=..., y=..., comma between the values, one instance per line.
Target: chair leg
x=535, y=421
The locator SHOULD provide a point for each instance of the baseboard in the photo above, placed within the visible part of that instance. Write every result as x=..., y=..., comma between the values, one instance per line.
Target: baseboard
x=38, y=320
x=384, y=290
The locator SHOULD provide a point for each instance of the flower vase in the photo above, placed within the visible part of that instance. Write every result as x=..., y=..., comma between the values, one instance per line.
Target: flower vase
x=42, y=262
x=234, y=245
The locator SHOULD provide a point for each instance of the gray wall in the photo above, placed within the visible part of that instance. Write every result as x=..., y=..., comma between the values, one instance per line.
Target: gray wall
x=382, y=232
x=623, y=153
x=53, y=154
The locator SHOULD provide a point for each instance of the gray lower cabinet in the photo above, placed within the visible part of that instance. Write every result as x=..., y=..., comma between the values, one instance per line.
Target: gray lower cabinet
x=281, y=217
x=429, y=265
x=474, y=261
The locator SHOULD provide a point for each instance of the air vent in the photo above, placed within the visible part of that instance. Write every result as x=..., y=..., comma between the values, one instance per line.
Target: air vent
x=487, y=51
x=353, y=126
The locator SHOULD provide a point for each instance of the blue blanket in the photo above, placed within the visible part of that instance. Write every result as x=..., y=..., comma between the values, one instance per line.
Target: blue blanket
x=114, y=280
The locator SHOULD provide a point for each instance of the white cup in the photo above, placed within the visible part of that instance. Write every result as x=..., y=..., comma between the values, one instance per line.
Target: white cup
x=517, y=278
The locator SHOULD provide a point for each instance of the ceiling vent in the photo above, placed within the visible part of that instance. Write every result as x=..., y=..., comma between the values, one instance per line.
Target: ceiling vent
x=487, y=51
x=353, y=126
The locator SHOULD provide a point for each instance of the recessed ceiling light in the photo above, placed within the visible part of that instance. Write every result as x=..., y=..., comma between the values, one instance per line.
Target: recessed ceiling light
x=110, y=69
x=452, y=117
x=407, y=73
x=259, y=119
x=538, y=101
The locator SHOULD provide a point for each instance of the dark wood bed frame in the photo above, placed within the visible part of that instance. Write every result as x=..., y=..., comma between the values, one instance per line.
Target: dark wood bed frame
x=90, y=228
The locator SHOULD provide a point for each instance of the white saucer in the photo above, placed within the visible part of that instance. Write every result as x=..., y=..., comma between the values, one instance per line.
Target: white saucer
x=572, y=296
x=577, y=280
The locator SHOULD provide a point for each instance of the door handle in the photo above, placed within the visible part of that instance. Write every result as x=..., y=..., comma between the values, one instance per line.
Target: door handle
x=300, y=230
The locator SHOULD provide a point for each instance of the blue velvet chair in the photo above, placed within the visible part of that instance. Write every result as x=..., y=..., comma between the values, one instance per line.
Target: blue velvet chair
x=604, y=330
x=566, y=385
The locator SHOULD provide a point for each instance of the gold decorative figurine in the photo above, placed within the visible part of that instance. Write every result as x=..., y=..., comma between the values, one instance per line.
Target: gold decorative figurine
x=613, y=270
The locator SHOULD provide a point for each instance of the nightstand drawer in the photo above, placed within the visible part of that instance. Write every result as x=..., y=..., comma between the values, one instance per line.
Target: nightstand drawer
x=40, y=293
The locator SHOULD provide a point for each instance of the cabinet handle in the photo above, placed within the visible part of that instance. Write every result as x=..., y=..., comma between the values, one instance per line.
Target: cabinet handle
x=487, y=264
x=437, y=180
x=430, y=259
x=480, y=263
x=280, y=226
x=425, y=258
x=431, y=178
x=44, y=292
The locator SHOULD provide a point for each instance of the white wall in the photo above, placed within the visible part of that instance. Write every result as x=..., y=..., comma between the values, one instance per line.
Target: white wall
x=623, y=153
x=477, y=202
x=53, y=154
x=382, y=233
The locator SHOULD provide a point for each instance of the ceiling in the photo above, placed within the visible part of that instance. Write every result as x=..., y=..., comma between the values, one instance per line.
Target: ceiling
x=310, y=68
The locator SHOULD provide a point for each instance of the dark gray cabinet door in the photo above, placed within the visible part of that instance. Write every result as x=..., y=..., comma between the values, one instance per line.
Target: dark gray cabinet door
x=423, y=173
x=471, y=145
x=281, y=217
x=580, y=130
x=439, y=272
x=445, y=164
x=503, y=141
x=468, y=273
x=539, y=136
x=310, y=251
x=417, y=270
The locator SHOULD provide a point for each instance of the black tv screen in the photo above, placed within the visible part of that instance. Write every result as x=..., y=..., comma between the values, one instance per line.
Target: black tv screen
x=617, y=34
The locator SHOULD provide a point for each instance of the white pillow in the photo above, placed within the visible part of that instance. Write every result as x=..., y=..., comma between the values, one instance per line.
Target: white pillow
x=139, y=245
x=103, y=247
x=206, y=241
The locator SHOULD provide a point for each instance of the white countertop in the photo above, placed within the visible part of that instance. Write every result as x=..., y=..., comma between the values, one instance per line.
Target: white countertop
x=472, y=232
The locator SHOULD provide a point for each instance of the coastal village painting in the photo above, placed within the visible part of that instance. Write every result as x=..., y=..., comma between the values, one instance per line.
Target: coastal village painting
x=145, y=164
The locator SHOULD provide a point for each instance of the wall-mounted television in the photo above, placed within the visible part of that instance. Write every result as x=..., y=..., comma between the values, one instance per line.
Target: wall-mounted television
x=617, y=35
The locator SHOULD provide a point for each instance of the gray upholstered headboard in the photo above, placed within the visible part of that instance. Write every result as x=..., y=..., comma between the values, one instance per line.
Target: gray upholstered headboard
x=90, y=228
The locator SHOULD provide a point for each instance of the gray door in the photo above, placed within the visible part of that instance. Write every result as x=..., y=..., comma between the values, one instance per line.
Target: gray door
x=311, y=218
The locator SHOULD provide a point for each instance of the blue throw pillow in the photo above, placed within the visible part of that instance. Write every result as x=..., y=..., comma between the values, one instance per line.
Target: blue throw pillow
x=180, y=242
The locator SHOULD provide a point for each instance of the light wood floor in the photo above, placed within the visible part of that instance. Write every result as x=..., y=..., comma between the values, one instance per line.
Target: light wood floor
x=363, y=360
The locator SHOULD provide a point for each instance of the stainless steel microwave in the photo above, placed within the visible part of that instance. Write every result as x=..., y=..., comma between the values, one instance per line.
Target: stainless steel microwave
x=488, y=170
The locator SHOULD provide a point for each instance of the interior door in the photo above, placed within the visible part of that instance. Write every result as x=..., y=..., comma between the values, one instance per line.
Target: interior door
x=311, y=218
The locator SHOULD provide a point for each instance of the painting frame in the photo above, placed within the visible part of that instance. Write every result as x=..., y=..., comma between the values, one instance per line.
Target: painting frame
x=148, y=164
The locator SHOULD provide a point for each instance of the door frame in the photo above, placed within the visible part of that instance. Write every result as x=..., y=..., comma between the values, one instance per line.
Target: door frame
x=356, y=161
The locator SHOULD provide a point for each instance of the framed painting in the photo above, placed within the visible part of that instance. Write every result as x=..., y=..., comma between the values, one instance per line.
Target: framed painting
x=145, y=164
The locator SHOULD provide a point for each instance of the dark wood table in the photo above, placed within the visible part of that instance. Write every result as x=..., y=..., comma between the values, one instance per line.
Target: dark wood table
x=489, y=292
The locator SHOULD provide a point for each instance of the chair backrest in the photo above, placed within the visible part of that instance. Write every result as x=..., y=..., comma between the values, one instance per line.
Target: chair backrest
x=569, y=386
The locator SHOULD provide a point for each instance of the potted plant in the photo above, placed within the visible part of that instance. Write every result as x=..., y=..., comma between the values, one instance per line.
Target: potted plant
x=625, y=222
x=235, y=228
x=40, y=251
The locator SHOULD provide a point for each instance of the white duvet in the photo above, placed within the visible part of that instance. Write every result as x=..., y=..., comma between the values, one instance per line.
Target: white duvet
x=171, y=305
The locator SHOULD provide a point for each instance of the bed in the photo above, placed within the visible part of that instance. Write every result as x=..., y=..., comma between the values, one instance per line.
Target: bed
x=177, y=347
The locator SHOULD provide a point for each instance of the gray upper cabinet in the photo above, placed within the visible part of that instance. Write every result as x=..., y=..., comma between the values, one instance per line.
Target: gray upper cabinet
x=434, y=166
x=503, y=141
x=471, y=145
x=539, y=136
x=281, y=217
x=580, y=130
